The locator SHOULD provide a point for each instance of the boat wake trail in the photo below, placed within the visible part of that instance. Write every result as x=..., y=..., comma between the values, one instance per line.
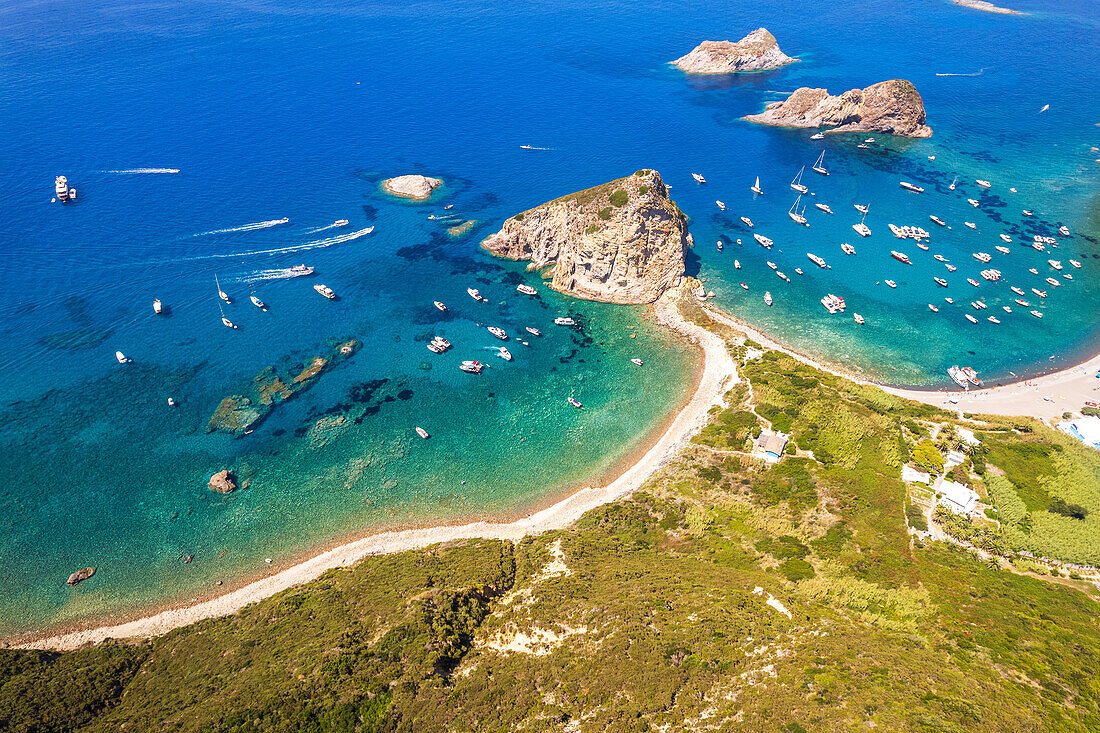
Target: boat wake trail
x=976, y=73
x=135, y=171
x=315, y=244
x=246, y=227
x=532, y=147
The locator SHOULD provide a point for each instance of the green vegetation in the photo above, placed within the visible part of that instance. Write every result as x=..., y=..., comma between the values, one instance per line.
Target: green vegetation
x=592, y=229
x=927, y=457
x=651, y=613
x=518, y=217
x=604, y=213
x=618, y=198
x=643, y=189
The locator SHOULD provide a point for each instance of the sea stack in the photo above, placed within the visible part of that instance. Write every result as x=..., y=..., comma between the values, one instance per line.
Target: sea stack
x=223, y=482
x=891, y=107
x=411, y=186
x=621, y=242
x=755, y=52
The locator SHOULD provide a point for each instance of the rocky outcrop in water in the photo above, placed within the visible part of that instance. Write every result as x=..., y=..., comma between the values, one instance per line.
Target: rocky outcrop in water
x=987, y=7
x=755, y=52
x=890, y=107
x=80, y=576
x=223, y=482
x=412, y=186
x=622, y=242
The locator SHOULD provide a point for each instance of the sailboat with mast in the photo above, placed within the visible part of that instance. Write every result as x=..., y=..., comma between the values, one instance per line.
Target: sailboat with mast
x=862, y=229
x=756, y=186
x=225, y=321
x=796, y=215
x=221, y=293
x=797, y=185
x=819, y=166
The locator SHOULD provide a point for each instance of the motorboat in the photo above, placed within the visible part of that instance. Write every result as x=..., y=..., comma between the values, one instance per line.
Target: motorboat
x=862, y=229
x=861, y=208
x=1063, y=230
x=959, y=378
x=340, y=223
x=833, y=303
x=1012, y=190
x=819, y=166
x=891, y=283
x=950, y=267
x=949, y=300
x=442, y=308
x=1028, y=212
x=1056, y=264
x=721, y=205
x=931, y=158
x=737, y=264
x=221, y=293
x=764, y=241
x=748, y=221
x=938, y=220
x=122, y=358
x=532, y=331
x=228, y=323
x=1038, y=246
x=498, y=332
x=1022, y=303
x=475, y=294
x=1006, y=309
x=471, y=367
x=847, y=248
x=869, y=140
x=768, y=297
x=422, y=432
x=973, y=282
x=971, y=318
x=973, y=202
x=744, y=286
x=971, y=376
x=698, y=178
x=982, y=257
x=755, y=188
x=817, y=136
x=575, y=403
x=61, y=189
x=526, y=289
x=797, y=185
x=795, y=215
x=978, y=305
x=1005, y=238
x=858, y=318
x=171, y=402
x=798, y=271
x=565, y=321
x=970, y=225
x=438, y=345
x=299, y=270
x=983, y=184
x=939, y=258
x=325, y=290
x=911, y=187
x=158, y=307
x=933, y=308
x=1002, y=249
x=1033, y=271
x=258, y=303
x=953, y=183
x=1040, y=293
x=922, y=245
x=719, y=245
x=900, y=256
x=816, y=260
x=940, y=281
x=772, y=265
x=1067, y=276
x=782, y=276
x=504, y=353
x=1037, y=314
x=1016, y=290
x=636, y=361
x=863, y=146
x=1075, y=263
x=824, y=207
x=1053, y=283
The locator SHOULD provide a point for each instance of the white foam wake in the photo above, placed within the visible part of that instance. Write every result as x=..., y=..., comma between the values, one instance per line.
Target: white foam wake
x=246, y=227
x=315, y=244
x=133, y=171
x=976, y=73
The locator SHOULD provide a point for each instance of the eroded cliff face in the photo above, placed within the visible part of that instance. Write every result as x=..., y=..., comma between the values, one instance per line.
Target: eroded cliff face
x=757, y=51
x=891, y=107
x=622, y=242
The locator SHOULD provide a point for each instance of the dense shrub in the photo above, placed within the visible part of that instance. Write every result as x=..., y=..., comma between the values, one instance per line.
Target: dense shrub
x=604, y=213
x=619, y=198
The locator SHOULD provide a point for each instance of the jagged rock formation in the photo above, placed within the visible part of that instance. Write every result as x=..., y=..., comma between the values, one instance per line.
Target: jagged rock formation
x=412, y=186
x=757, y=51
x=622, y=242
x=223, y=482
x=80, y=575
x=891, y=107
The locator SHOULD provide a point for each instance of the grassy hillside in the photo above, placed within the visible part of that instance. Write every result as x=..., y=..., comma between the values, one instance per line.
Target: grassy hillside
x=653, y=613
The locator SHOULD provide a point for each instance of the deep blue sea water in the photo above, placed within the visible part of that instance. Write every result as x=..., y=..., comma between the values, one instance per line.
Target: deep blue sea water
x=298, y=110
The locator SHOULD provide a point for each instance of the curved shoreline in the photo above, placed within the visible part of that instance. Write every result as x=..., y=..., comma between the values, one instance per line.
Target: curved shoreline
x=718, y=373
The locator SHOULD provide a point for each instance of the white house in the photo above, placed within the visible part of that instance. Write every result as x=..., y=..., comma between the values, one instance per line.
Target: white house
x=1085, y=429
x=913, y=476
x=954, y=458
x=958, y=498
x=770, y=446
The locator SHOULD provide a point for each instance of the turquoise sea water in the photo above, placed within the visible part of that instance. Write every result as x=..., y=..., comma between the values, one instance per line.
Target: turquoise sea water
x=285, y=109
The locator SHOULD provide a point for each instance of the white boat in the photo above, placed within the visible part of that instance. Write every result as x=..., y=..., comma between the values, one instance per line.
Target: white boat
x=952, y=186
x=498, y=332
x=340, y=223
x=970, y=224
x=565, y=321
x=1067, y=276
x=940, y=281
x=755, y=188
x=971, y=318
x=863, y=145
x=869, y=140
x=1002, y=249
x=422, y=432
x=959, y=378
x=475, y=294
x=299, y=270
x=950, y=267
x=933, y=308
x=258, y=303
x=748, y=221
x=171, y=402
x=765, y=242
x=796, y=184
x=442, y=308
x=472, y=367
x=796, y=217
x=862, y=208
x=1038, y=246
x=1037, y=314
x=1053, y=283
x=744, y=286
x=1028, y=212
x=1016, y=290
x=973, y=202
x=978, y=305
x=1005, y=238
x=1056, y=264
x=1063, y=230
x=798, y=271
x=772, y=265
x=938, y=220
x=816, y=260
x=122, y=358
x=983, y=184
x=504, y=353
x=698, y=178
x=900, y=256
x=526, y=289
x=228, y=323
x=949, y=300
x=973, y=282
x=737, y=264
x=636, y=361
x=922, y=245
x=891, y=283
x=982, y=257
x=939, y=258
x=221, y=293
x=325, y=290
x=911, y=187
x=817, y=136
x=575, y=403
x=824, y=207
x=721, y=205
x=833, y=303
x=781, y=275
x=819, y=166
x=158, y=307
x=532, y=331
x=767, y=297
x=61, y=189
x=1006, y=309
x=1040, y=293
x=847, y=248
x=1075, y=263
x=1012, y=190
x=931, y=157
x=861, y=228
x=858, y=318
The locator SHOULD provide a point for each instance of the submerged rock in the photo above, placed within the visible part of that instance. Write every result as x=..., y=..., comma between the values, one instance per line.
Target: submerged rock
x=622, y=242
x=412, y=186
x=755, y=52
x=224, y=482
x=80, y=575
x=891, y=107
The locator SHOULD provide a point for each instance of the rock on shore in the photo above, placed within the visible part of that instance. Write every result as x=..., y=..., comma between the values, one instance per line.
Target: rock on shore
x=224, y=482
x=412, y=186
x=891, y=107
x=622, y=242
x=755, y=52
x=80, y=575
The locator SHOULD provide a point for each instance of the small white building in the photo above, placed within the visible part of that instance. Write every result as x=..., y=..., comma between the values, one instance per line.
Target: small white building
x=913, y=476
x=958, y=498
x=953, y=458
x=1085, y=429
x=770, y=446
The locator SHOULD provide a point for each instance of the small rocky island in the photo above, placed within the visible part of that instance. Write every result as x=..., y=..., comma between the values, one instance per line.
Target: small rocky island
x=757, y=51
x=987, y=7
x=622, y=242
x=412, y=186
x=891, y=107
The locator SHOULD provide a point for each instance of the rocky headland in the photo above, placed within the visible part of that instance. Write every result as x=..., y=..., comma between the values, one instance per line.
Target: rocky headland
x=755, y=52
x=411, y=186
x=891, y=107
x=621, y=242
x=987, y=7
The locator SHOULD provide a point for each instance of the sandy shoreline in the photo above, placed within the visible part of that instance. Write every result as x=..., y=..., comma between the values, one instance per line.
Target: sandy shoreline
x=718, y=373
x=1045, y=397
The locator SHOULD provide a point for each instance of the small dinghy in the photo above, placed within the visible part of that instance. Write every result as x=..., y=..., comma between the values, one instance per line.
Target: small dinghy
x=122, y=358
x=422, y=432
x=637, y=361
x=158, y=307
